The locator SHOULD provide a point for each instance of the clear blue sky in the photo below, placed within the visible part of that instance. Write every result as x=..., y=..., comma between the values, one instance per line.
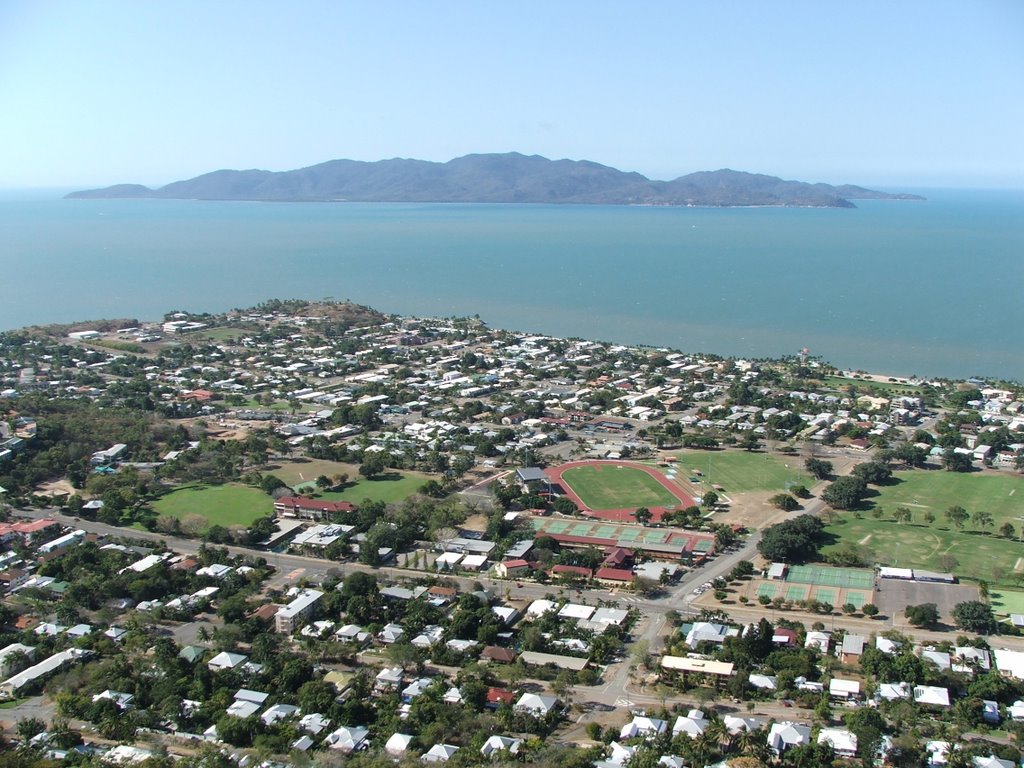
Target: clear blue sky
x=894, y=94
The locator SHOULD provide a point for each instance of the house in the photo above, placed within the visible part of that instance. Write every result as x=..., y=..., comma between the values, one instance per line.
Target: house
x=852, y=648
x=123, y=701
x=990, y=711
x=788, y=734
x=388, y=678
x=415, y=689
x=693, y=724
x=506, y=613
x=893, y=691
x=843, y=689
x=314, y=723
x=706, y=632
x=931, y=696
x=391, y=633
x=1016, y=711
x=352, y=633
x=497, y=744
x=511, y=569
x=763, y=682
x=841, y=740
x=13, y=655
x=497, y=697
x=279, y=712
x=992, y=761
x=1009, y=663
x=535, y=704
x=646, y=727
x=226, y=660
x=439, y=753
x=818, y=641
x=498, y=654
x=938, y=753
x=348, y=739
x=397, y=745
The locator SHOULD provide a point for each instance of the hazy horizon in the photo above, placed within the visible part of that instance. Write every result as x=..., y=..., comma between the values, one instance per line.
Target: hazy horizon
x=916, y=94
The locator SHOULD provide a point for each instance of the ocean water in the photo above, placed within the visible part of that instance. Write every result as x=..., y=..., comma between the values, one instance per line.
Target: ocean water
x=930, y=288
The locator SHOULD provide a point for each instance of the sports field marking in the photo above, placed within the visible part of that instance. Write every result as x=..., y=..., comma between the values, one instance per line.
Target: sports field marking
x=1019, y=565
x=1012, y=491
x=866, y=539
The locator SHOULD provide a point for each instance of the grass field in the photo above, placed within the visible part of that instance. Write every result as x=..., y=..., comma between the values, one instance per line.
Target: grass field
x=1001, y=495
x=304, y=470
x=868, y=386
x=1006, y=601
x=917, y=545
x=739, y=471
x=389, y=488
x=220, y=504
x=611, y=487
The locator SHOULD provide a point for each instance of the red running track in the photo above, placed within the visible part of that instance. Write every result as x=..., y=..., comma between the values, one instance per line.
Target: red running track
x=618, y=515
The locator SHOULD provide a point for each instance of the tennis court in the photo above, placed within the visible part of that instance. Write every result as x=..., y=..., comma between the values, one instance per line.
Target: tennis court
x=796, y=592
x=826, y=576
x=766, y=590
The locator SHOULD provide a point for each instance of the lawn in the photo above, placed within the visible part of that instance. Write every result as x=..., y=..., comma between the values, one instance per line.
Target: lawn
x=739, y=471
x=393, y=487
x=220, y=504
x=867, y=386
x=1006, y=601
x=916, y=545
x=389, y=488
x=613, y=487
x=1001, y=495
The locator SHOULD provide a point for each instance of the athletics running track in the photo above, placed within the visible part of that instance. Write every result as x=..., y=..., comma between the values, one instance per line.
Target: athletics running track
x=618, y=515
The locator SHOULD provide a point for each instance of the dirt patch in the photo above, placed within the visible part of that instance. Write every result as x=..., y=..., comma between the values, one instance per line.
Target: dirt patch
x=751, y=510
x=56, y=488
x=475, y=523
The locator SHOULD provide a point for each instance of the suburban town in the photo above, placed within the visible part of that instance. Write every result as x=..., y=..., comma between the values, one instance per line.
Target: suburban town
x=312, y=534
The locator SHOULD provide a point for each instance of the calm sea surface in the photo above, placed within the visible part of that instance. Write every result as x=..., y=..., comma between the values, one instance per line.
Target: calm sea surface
x=932, y=288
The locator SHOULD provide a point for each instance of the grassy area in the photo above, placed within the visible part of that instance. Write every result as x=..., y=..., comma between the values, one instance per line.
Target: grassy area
x=864, y=386
x=392, y=487
x=972, y=552
x=389, y=488
x=305, y=470
x=219, y=504
x=613, y=487
x=223, y=334
x=12, y=703
x=1001, y=495
x=739, y=471
x=1006, y=601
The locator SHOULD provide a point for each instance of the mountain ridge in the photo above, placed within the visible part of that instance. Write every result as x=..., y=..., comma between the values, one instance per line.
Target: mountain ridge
x=495, y=178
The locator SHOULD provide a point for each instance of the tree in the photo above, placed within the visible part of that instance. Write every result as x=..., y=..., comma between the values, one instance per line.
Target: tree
x=974, y=616
x=784, y=501
x=869, y=609
x=902, y=515
x=1007, y=531
x=845, y=493
x=29, y=727
x=795, y=540
x=374, y=464
x=873, y=472
x=710, y=498
x=929, y=517
x=956, y=462
x=982, y=519
x=819, y=468
x=923, y=615
x=643, y=515
x=323, y=482
x=957, y=515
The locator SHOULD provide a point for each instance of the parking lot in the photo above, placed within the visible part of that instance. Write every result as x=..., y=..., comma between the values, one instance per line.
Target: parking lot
x=893, y=595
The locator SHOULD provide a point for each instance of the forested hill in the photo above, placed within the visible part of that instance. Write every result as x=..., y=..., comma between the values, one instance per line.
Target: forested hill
x=496, y=178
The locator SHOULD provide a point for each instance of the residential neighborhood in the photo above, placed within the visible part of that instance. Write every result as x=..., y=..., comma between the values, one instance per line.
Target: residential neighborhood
x=309, y=533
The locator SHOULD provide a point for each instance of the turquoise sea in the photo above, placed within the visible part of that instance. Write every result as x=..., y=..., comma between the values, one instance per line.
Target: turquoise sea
x=930, y=288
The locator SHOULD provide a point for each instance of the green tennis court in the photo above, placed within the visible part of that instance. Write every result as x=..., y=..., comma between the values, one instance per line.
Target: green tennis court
x=826, y=576
x=796, y=593
x=857, y=599
x=766, y=590
x=823, y=595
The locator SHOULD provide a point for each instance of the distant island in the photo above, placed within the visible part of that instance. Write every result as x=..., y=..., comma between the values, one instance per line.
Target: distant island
x=497, y=178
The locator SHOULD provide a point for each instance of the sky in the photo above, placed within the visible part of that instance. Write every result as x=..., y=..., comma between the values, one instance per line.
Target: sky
x=902, y=94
